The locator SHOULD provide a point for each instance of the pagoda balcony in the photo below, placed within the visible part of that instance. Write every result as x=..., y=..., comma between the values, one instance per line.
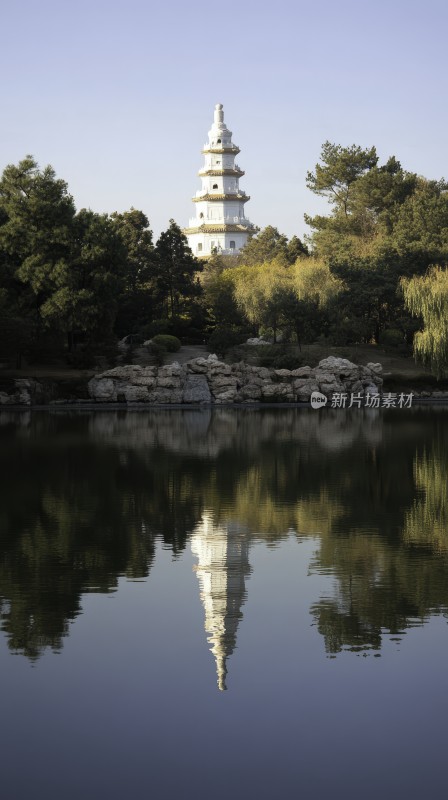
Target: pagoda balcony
x=216, y=194
x=222, y=148
x=194, y=222
x=236, y=170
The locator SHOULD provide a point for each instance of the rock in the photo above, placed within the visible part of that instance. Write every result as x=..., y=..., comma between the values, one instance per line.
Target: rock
x=169, y=383
x=338, y=366
x=223, y=381
x=124, y=373
x=302, y=372
x=305, y=391
x=376, y=368
x=219, y=368
x=102, y=390
x=251, y=391
x=227, y=396
x=134, y=394
x=25, y=387
x=196, y=390
x=257, y=341
x=277, y=391
x=282, y=373
x=170, y=370
x=198, y=365
x=208, y=380
x=324, y=377
x=261, y=372
x=6, y=399
x=142, y=380
x=165, y=396
x=330, y=388
x=299, y=382
x=240, y=367
x=254, y=380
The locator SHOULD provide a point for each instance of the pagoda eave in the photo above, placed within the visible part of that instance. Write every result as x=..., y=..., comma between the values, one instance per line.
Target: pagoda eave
x=218, y=150
x=225, y=228
x=214, y=172
x=242, y=198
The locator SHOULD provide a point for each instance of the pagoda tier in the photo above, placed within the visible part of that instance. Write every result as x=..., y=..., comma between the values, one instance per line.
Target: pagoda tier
x=220, y=225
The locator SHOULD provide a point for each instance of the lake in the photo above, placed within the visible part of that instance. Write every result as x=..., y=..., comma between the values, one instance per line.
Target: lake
x=226, y=603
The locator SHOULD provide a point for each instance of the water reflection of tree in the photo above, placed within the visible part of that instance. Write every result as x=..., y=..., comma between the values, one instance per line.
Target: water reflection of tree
x=86, y=496
x=386, y=583
x=74, y=517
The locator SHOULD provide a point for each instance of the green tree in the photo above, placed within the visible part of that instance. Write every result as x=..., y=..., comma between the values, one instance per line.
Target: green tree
x=420, y=225
x=427, y=297
x=86, y=291
x=268, y=245
x=136, y=235
x=36, y=220
x=218, y=296
x=174, y=271
x=16, y=336
x=137, y=300
x=295, y=249
x=340, y=169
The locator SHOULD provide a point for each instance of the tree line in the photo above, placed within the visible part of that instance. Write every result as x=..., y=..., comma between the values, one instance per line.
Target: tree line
x=373, y=269
x=72, y=281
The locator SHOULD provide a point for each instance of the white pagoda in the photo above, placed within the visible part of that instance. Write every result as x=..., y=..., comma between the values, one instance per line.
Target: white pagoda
x=219, y=225
x=223, y=566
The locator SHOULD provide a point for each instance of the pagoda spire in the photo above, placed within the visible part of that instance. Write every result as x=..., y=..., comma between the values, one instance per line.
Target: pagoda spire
x=220, y=224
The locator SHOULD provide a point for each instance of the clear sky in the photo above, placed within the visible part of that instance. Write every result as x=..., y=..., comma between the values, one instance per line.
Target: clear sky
x=119, y=96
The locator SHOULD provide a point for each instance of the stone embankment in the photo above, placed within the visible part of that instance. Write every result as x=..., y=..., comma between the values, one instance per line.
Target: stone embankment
x=208, y=380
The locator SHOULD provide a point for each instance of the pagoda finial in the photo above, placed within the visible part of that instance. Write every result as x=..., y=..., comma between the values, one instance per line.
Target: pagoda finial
x=219, y=114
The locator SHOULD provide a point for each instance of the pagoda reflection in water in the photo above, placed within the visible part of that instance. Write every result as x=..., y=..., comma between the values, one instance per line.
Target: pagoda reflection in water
x=223, y=565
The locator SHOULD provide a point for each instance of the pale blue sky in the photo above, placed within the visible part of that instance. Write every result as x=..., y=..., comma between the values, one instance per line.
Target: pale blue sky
x=119, y=96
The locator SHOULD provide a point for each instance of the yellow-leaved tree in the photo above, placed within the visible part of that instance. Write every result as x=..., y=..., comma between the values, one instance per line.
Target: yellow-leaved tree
x=427, y=297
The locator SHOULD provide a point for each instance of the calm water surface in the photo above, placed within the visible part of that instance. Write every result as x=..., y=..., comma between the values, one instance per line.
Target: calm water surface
x=224, y=604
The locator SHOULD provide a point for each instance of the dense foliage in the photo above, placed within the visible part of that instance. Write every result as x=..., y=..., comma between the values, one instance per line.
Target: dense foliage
x=74, y=282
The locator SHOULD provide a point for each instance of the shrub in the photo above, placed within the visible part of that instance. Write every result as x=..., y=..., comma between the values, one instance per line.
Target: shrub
x=158, y=353
x=222, y=340
x=267, y=354
x=170, y=343
x=391, y=337
x=287, y=361
x=155, y=327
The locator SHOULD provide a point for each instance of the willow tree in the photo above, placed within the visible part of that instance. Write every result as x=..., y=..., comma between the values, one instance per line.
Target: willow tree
x=313, y=281
x=427, y=297
x=262, y=291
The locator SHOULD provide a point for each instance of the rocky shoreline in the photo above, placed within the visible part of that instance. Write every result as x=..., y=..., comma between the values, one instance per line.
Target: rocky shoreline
x=209, y=381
